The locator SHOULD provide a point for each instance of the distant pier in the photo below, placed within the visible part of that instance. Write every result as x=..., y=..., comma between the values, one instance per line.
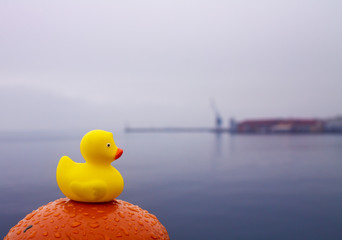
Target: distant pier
x=177, y=129
x=259, y=126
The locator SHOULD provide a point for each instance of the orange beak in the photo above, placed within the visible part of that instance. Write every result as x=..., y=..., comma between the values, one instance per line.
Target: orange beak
x=118, y=153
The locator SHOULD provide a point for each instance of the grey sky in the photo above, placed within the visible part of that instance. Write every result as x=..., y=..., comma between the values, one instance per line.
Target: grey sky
x=98, y=64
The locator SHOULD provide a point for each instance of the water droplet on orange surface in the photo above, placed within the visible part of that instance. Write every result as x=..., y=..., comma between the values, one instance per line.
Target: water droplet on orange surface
x=47, y=214
x=29, y=216
x=116, y=219
x=100, y=211
x=32, y=235
x=133, y=209
x=18, y=232
x=60, y=202
x=45, y=234
x=94, y=225
x=125, y=231
x=154, y=236
x=121, y=214
x=75, y=224
x=72, y=215
x=57, y=235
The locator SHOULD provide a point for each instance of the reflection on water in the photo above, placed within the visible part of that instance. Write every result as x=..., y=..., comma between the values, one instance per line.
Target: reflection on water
x=200, y=185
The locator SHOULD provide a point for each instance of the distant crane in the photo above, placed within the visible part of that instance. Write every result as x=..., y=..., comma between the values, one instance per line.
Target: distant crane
x=218, y=118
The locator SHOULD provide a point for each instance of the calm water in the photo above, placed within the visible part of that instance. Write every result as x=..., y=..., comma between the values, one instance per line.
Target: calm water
x=200, y=186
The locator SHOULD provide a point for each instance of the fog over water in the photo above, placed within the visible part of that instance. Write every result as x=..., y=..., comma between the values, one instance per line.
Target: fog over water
x=82, y=64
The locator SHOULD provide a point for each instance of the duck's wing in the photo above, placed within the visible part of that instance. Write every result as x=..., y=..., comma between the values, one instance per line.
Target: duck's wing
x=89, y=191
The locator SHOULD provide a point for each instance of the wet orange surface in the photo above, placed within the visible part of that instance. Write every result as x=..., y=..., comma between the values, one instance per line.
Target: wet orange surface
x=67, y=219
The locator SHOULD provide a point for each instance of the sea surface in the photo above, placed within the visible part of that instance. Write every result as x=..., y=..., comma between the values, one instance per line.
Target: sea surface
x=199, y=185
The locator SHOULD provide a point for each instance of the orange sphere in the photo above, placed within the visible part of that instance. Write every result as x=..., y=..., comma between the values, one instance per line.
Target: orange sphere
x=68, y=219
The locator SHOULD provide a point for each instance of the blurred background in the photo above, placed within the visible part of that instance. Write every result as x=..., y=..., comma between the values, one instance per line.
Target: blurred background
x=70, y=67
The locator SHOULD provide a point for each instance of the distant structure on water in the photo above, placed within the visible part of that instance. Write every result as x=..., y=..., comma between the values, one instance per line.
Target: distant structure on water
x=297, y=125
x=218, y=118
x=257, y=126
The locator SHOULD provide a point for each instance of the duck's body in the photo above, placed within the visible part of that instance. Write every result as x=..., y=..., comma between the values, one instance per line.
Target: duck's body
x=95, y=180
x=85, y=182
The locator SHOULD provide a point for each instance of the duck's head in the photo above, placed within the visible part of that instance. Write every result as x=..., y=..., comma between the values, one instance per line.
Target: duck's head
x=98, y=147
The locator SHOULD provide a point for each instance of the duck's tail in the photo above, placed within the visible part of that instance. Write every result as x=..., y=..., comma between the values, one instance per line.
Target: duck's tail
x=64, y=164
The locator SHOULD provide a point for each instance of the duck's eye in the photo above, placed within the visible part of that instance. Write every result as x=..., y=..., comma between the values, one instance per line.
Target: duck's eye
x=108, y=144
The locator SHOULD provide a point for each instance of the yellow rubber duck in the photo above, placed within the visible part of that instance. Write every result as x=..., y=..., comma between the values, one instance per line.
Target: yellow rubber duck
x=95, y=180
